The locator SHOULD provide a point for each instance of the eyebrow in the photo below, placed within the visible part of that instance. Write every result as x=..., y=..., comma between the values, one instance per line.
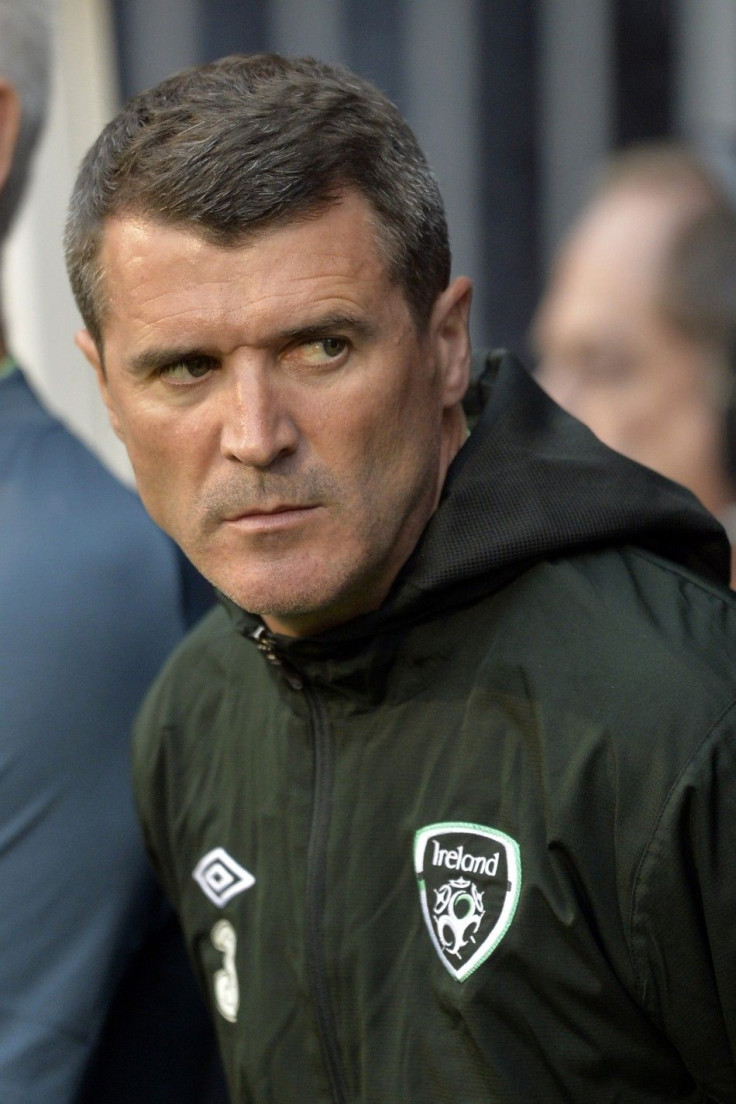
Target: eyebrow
x=326, y=326
x=152, y=360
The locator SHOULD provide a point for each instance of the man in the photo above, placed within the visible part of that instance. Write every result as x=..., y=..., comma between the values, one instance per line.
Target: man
x=443, y=793
x=621, y=346
x=88, y=942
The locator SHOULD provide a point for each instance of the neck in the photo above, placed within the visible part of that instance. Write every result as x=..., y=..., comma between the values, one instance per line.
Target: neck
x=454, y=437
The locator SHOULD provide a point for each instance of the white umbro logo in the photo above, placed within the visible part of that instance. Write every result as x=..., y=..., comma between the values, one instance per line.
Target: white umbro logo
x=221, y=877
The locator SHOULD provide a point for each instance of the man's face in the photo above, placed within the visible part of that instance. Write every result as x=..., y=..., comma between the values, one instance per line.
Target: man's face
x=286, y=423
x=610, y=357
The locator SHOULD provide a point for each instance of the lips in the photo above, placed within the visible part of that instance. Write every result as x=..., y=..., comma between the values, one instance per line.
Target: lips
x=269, y=511
x=274, y=520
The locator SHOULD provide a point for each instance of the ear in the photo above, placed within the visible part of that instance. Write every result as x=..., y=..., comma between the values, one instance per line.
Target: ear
x=86, y=343
x=9, y=126
x=450, y=336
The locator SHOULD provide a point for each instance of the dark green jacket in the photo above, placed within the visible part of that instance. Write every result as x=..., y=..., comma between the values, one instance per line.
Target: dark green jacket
x=477, y=846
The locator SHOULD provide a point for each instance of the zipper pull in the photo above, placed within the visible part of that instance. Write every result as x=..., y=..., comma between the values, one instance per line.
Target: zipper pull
x=265, y=644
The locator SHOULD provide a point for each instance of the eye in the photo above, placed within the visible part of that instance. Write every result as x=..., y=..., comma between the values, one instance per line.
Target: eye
x=188, y=370
x=608, y=367
x=332, y=346
x=317, y=352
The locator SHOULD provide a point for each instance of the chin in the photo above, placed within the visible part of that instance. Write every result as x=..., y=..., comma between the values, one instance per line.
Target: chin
x=279, y=602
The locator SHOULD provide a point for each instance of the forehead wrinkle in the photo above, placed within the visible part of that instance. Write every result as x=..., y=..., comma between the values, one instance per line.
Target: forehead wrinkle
x=242, y=297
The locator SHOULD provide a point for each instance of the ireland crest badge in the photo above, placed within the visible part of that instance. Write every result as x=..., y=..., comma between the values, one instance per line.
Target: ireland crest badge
x=469, y=884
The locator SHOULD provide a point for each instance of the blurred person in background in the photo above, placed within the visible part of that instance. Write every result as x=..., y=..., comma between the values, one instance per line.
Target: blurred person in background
x=635, y=332
x=97, y=1001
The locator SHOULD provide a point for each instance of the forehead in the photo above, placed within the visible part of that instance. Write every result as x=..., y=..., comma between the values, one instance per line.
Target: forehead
x=624, y=237
x=610, y=271
x=153, y=272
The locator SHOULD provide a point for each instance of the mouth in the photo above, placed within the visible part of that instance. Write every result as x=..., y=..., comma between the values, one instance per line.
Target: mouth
x=271, y=518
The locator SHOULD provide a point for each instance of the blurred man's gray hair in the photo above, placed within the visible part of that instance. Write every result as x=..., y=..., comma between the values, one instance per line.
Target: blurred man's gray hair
x=25, y=62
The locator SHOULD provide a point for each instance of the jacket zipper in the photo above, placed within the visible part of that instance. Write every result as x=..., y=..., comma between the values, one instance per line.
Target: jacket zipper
x=316, y=880
x=316, y=868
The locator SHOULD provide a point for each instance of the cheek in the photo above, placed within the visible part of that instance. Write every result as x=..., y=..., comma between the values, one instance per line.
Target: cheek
x=165, y=438
x=161, y=455
x=149, y=451
x=401, y=459
x=648, y=410
x=382, y=446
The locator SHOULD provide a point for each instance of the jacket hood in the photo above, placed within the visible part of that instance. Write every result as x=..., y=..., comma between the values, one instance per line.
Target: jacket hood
x=532, y=483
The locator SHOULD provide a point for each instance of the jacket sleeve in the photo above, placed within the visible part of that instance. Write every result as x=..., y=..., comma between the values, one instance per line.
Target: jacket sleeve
x=683, y=922
x=90, y=607
x=76, y=888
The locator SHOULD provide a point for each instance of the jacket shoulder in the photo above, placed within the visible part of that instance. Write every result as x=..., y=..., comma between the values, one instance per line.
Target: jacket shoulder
x=636, y=619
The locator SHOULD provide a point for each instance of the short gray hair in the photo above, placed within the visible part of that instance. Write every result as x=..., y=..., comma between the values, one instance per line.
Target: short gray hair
x=246, y=143
x=25, y=62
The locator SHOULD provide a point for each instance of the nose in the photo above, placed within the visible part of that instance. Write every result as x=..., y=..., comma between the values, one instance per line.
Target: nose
x=558, y=380
x=257, y=428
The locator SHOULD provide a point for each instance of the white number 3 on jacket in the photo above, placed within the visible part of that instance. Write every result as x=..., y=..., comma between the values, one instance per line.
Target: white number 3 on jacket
x=227, y=992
